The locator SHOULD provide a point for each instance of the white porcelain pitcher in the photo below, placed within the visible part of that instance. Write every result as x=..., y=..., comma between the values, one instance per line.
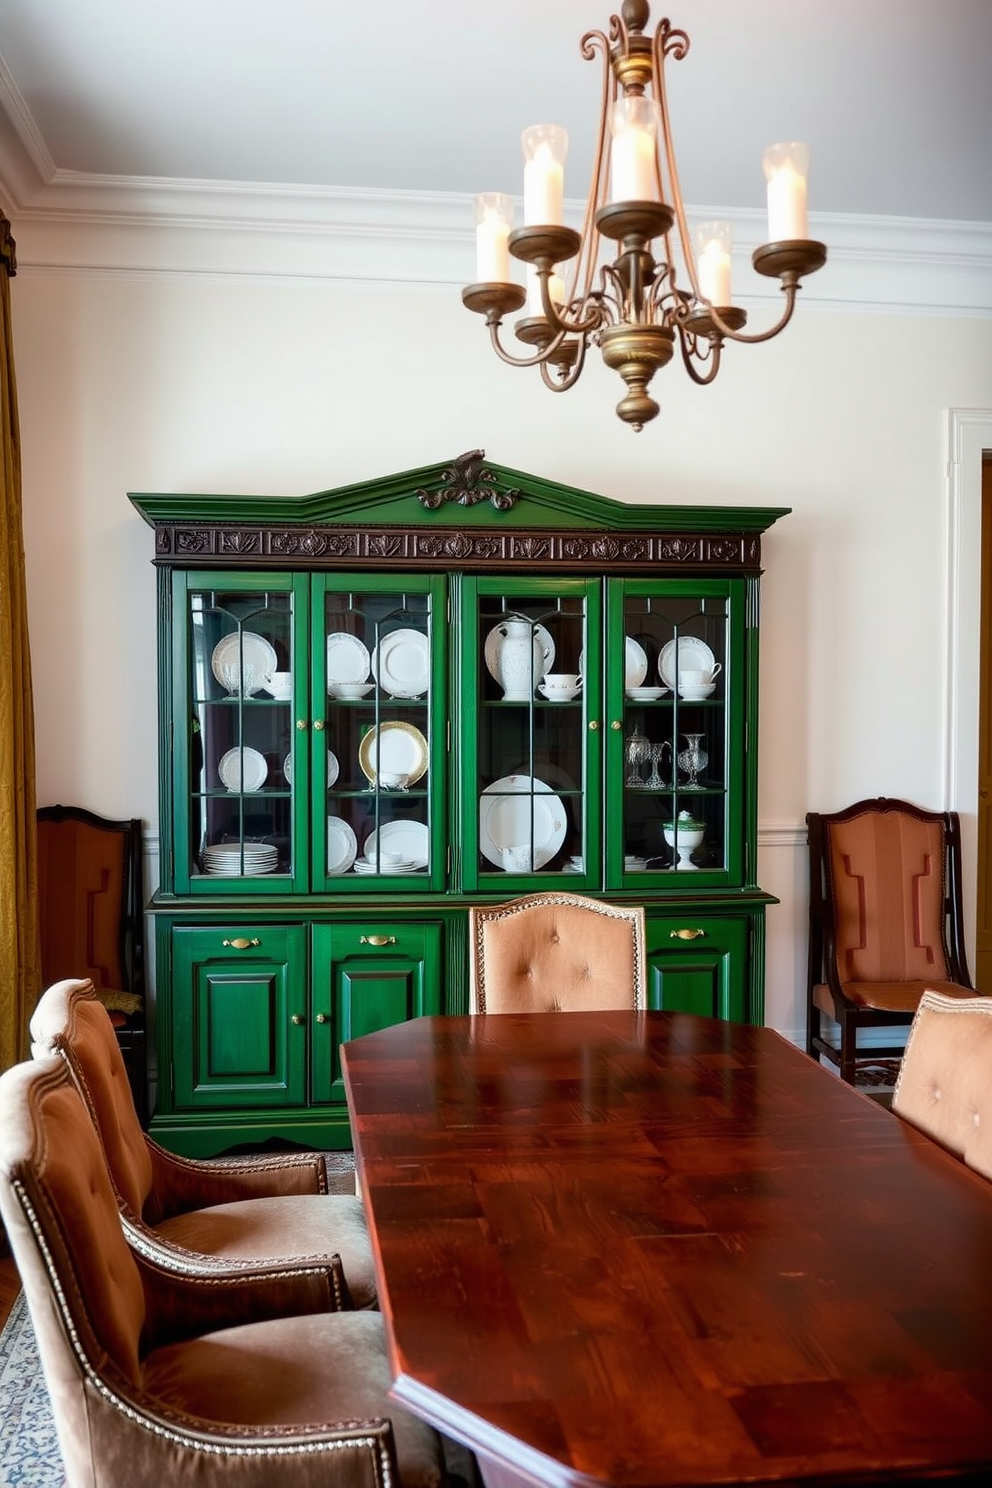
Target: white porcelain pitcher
x=521, y=660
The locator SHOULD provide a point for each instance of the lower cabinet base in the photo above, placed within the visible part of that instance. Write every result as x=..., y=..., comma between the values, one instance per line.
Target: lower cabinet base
x=224, y=1131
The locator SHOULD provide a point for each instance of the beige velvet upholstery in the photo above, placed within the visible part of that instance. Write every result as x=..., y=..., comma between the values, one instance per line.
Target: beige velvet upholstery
x=556, y=953
x=885, y=925
x=250, y=1209
x=246, y=1378
x=945, y=1082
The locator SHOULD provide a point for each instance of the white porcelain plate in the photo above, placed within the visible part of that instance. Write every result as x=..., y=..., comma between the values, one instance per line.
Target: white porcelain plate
x=347, y=658
x=395, y=748
x=242, y=769
x=333, y=768
x=342, y=845
x=494, y=644
x=520, y=811
x=693, y=656
x=401, y=663
x=411, y=838
x=254, y=651
x=635, y=663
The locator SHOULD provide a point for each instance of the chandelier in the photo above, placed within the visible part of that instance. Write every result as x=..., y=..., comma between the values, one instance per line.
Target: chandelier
x=633, y=307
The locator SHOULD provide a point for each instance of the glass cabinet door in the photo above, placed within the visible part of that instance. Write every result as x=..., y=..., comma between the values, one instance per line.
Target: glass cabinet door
x=530, y=717
x=237, y=686
x=675, y=662
x=378, y=681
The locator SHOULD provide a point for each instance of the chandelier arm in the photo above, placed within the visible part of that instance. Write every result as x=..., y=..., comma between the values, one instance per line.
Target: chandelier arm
x=562, y=383
x=541, y=355
x=678, y=47
x=790, y=291
x=553, y=313
x=703, y=379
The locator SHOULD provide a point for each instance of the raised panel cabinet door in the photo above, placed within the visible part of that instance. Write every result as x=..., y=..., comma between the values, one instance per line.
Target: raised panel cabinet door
x=367, y=976
x=698, y=964
x=239, y=1034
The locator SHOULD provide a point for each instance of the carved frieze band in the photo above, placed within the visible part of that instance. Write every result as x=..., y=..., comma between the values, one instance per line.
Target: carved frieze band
x=326, y=546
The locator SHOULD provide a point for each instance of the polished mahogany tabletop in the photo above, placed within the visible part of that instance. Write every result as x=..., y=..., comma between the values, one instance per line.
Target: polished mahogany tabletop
x=654, y=1249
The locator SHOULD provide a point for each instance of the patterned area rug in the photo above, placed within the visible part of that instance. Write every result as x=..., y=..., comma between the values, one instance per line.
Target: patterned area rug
x=29, y=1454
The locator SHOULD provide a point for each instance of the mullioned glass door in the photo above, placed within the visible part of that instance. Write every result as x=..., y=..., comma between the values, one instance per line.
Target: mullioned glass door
x=675, y=658
x=531, y=740
x=239, y=699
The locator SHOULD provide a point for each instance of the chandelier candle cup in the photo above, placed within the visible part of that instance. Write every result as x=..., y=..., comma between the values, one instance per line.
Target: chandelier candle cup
x=545, y=147
x=786, y=169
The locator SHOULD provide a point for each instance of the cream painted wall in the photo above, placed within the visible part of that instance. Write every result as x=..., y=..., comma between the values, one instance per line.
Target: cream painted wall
x=174, y=383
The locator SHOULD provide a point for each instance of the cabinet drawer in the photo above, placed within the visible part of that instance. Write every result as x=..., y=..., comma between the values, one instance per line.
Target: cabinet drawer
x=698, y=964
x=238, y=1024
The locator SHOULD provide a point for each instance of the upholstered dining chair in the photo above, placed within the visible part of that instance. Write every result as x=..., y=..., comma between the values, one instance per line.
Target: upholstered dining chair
x=91, y=920
x=555, y=952
x=245, y=1208
x=885, y=924
x=945, y=1080
x=243, y=1377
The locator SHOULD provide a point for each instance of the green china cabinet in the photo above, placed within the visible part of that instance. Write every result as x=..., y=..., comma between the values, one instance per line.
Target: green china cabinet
x=383, y=703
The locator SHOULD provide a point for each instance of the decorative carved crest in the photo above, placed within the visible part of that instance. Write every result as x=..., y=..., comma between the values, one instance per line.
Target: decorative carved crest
x=467, y=479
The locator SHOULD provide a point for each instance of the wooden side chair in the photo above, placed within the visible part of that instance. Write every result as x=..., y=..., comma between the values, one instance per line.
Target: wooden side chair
x=244, y=1209
x=91, y=920
x=162, y=1375
x=885, y=924
x=556, y=953
x=945, y=1080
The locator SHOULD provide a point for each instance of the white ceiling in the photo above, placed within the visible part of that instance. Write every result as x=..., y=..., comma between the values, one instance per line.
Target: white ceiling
x=893, y=96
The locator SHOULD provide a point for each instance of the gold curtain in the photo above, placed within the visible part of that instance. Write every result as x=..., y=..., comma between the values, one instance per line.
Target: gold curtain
x=20, y=955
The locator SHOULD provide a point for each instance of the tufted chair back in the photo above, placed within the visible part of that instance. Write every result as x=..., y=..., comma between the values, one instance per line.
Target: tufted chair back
x=556, y=953
x=81, y=1282
x=945, y=1082
x=70, y=1021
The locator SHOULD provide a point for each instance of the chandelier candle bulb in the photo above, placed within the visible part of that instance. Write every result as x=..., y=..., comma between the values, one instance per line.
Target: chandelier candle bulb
x=714, y=241
x=632, y=153
x=494, y=216
x=545, y=147
x=786, y=168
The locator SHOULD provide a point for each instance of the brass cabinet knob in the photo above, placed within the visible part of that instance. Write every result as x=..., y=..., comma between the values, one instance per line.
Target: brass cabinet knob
x=593, y=725
x=616, y=725
x=686, y=934
x=323, y=1018
x=301, y=724
x=241, y=944
x=297, y=1018
x=377, y=940
x=318, y=725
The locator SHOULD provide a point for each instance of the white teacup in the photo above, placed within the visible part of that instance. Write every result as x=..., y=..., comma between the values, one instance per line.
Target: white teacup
x=699, y=679
x=279, y=684
x=562, y=681
x=392, y=780
x=516, y=859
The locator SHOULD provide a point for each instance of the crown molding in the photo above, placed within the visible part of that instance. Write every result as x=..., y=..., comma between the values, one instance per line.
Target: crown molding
x=67, y=221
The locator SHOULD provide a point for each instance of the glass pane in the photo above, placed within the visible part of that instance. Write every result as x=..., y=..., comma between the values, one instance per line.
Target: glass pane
x=241, y=725
x=675, y=732
x=379, y=792
x=531, y=734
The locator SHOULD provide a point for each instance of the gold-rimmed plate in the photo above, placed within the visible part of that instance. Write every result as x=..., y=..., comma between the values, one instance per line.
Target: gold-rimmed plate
x=394, y=748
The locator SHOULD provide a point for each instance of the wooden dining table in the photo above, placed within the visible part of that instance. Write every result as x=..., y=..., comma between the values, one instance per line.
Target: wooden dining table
x=646, y=1249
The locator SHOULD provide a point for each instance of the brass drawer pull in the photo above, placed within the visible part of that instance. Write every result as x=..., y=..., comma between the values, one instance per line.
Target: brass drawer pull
x=241, y=944
x=685, y=934
x=377, y=940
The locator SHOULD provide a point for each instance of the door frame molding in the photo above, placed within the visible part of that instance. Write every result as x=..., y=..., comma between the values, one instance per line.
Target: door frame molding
x=969, y=434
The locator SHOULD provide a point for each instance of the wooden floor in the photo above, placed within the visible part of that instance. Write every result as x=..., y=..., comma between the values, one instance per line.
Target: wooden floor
x=10, y=1285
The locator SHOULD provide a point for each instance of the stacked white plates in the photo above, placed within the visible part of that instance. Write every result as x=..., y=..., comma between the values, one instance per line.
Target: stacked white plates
x=364, y=865
x=231, y=860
